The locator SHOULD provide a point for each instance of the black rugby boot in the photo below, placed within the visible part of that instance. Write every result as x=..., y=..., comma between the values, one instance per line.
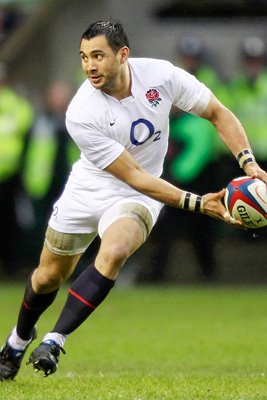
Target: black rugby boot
x=45, y=357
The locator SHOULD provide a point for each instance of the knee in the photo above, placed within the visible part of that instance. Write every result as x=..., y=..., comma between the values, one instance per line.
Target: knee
x=45, y=280
x=113, y=257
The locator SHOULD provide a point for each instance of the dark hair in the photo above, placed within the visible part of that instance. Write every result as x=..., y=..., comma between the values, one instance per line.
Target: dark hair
x=113, y=32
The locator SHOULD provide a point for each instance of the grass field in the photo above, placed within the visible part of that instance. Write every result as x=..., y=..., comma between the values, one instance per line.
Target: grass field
x=179, y=343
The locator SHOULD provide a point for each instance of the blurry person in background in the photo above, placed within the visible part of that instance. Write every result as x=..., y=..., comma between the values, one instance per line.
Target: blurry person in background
x=48, y=160
x=192, y=55
x=16, y=115
x=10, y=18
x=249, y=100
x=190, y=163
x=249, y=93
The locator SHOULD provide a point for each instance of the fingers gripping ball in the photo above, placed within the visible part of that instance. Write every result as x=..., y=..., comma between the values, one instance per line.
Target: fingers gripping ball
x=246, y=200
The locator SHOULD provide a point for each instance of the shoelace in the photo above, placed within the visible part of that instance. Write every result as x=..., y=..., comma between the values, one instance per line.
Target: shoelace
x=55, y=350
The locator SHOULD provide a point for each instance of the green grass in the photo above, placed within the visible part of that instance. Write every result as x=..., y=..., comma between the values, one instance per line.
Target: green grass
x=176, y=343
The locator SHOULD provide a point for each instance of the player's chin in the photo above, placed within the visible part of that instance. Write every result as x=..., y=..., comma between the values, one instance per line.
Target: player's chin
x=97, y=82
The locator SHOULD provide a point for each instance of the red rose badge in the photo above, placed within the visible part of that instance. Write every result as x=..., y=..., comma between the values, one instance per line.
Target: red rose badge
x=152, y=96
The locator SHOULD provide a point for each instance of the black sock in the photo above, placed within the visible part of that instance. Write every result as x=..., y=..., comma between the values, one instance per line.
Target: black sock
x=85, y=294
x=33, y=305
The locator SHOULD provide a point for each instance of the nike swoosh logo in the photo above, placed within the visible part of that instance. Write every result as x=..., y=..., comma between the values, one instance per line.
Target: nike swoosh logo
x=112, y=123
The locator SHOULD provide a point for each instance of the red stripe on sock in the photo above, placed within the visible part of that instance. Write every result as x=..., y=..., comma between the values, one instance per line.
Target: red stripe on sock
x=81, y=299
x=26, y=305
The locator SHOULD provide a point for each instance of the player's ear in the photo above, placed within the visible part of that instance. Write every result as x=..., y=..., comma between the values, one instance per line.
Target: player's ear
x=125, y=52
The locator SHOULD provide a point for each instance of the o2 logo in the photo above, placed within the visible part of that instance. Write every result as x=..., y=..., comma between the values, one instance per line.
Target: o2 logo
x=136, y=131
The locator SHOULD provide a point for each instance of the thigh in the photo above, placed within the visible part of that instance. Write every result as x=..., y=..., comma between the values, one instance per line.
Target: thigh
x=120, y=239
x=123, y=229
x=59, y=265
x=124, y=234
x=53, y=270
x=59, y=257
x=130, y=209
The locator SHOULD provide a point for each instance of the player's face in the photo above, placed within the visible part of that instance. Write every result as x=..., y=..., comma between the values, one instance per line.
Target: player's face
x=102, y=66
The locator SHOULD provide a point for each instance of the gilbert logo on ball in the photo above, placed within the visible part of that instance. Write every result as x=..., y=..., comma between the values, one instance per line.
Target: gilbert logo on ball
x=246, y=200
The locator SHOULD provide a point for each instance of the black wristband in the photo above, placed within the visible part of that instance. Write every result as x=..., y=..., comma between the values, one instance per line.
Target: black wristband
x=245, y=157
x=191, y=202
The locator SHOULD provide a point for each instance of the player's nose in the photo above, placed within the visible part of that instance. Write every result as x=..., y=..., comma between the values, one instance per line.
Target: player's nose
x=91, y=65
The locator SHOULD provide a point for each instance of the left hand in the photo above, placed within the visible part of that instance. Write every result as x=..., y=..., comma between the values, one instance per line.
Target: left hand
x=254, y=171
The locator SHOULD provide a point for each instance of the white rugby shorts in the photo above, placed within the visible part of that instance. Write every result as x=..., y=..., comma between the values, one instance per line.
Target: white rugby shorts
x=89, y=202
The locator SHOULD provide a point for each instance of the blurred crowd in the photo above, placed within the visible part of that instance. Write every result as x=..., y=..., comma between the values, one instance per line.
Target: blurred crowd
x=11, y=16
x=36, y=155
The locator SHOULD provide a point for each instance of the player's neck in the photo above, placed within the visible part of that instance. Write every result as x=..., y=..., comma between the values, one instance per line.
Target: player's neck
x=122, y=87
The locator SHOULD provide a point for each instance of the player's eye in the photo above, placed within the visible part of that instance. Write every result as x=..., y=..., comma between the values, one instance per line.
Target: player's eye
x=99, y=57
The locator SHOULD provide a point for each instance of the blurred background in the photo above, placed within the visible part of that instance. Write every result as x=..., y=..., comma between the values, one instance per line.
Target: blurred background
x=222, y=42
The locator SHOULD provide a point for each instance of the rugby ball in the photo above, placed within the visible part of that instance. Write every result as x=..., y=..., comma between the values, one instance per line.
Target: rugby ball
x=246, y=200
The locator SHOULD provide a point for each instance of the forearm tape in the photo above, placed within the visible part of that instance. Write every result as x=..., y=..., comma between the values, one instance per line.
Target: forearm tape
x=191, y=202
x=245, y=157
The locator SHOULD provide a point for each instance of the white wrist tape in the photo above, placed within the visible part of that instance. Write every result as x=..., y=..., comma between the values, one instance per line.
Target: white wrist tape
x=245, y=157
x=191, y=202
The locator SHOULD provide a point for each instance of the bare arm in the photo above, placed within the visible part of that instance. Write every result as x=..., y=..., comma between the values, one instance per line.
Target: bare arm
x=232, y=133
x=129, y=171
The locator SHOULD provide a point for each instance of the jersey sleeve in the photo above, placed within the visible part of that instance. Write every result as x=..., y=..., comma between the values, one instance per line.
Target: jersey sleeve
x=189, y=94
x=98, y=148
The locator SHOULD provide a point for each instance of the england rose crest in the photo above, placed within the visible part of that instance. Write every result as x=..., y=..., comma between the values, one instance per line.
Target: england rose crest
x=152, y=96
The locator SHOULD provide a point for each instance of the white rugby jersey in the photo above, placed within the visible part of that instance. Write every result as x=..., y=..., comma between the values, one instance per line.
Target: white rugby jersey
x=103, y=126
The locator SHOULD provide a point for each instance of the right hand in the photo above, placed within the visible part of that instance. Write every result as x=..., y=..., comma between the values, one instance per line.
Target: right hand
x=213, y=207
x=254, y=171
